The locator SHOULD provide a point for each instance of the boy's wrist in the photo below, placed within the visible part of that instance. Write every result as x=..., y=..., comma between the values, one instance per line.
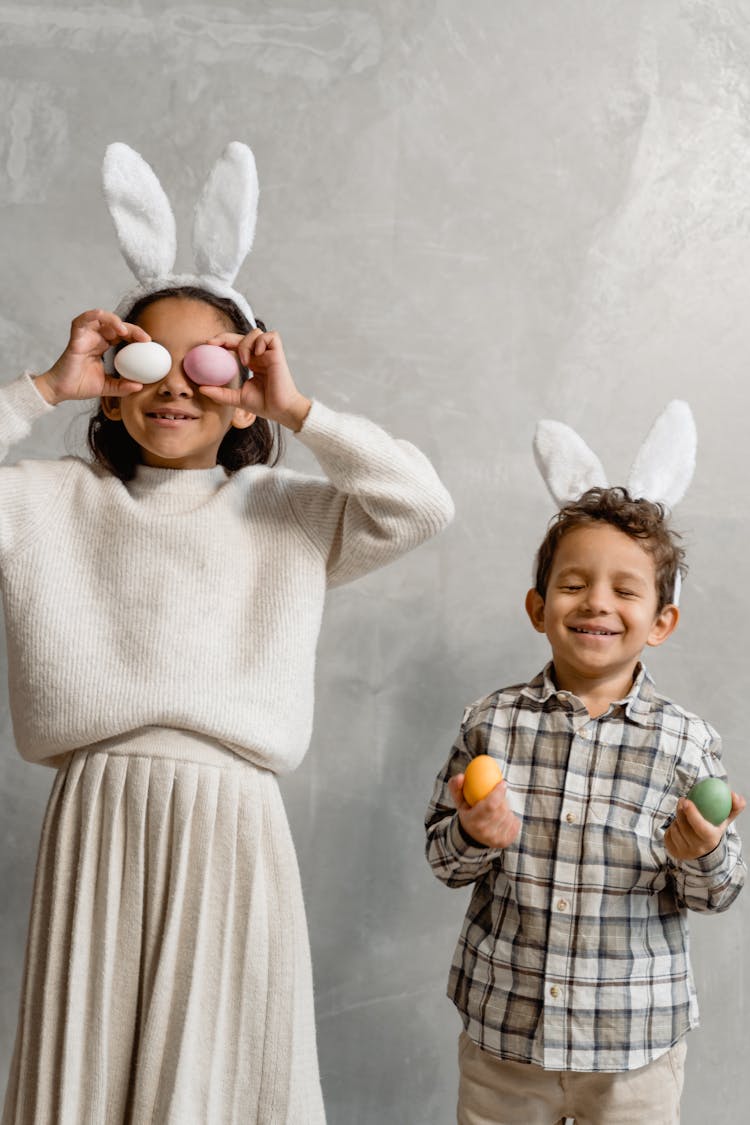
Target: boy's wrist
x=467, y=837
x=707, y=864
x=465, y=844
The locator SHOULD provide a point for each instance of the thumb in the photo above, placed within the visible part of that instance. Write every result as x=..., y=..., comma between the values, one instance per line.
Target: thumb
x=738, y=805
x=456, y=786
x=224, y=396
x=120, y=388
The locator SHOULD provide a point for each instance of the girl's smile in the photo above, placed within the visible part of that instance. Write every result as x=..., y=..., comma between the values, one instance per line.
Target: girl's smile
x=169, y=417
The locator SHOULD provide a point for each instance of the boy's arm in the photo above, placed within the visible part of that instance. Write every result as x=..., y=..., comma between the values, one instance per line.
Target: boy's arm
x=455, y=857
x=706, y=864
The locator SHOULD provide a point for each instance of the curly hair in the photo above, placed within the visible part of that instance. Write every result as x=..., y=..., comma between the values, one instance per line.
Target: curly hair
x=259, y=444
x=641, y=519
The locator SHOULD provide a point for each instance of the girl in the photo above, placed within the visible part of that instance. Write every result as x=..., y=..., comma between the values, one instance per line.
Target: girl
x=163, y=606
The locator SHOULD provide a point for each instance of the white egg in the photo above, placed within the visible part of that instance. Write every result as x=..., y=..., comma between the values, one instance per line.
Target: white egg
x=145, y=363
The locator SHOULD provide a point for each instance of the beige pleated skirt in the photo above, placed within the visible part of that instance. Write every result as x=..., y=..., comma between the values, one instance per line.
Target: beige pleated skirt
x=167, y=975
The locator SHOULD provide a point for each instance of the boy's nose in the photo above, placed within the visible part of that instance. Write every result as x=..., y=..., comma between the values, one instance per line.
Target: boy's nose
x=597, y=598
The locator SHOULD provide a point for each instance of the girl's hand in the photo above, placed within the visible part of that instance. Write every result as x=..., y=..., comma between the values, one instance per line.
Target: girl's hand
x=491, y=821
x=79, y=372
x=271, y=393
x=691, y=836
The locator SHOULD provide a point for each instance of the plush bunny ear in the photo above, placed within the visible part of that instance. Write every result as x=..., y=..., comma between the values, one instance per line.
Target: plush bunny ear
x=142, y=216
x=225, y=214
x=566, y=463
x=664, y=465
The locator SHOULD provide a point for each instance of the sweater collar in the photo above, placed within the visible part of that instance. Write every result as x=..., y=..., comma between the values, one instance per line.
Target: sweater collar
x=150, y=481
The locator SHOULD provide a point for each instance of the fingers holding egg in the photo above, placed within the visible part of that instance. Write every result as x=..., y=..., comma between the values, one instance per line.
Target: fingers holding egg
x=242, y=346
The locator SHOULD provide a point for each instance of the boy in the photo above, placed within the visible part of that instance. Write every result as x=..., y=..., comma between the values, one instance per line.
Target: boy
x=572, y=974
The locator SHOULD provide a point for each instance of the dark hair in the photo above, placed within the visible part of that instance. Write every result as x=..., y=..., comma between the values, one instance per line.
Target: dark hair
x=259, y=444
x=640, y=519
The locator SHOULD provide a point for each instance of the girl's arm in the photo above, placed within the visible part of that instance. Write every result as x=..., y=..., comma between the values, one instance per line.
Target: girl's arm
x=382, y=497
x=27, y=490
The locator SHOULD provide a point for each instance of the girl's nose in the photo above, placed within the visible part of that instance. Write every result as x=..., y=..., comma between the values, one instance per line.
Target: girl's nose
x=176, y=382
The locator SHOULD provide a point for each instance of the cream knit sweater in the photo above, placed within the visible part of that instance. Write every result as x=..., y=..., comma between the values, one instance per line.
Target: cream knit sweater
x=188, y=599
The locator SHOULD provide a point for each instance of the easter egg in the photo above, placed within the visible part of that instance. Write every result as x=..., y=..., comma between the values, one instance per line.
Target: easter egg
x=713, y=799
x=210, y=366
x=482, y=775
x=145, y=363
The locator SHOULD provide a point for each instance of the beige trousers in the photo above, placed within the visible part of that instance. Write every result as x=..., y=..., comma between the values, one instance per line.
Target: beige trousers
x=494, y=1091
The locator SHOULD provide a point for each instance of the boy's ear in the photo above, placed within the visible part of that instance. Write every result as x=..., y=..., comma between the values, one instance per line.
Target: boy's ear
x=111, y=408
x=664, y=625
x=535, y=609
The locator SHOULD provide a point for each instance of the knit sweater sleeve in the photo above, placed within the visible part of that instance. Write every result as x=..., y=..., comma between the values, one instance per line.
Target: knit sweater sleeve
x=381, y=499
x=26, y=490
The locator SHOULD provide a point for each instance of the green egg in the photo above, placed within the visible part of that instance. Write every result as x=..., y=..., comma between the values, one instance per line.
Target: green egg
x=713, y=799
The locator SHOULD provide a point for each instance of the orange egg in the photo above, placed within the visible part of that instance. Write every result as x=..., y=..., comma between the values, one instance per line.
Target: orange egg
x=482, y=775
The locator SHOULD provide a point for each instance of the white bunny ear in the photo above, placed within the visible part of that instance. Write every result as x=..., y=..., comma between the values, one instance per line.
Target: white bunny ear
x=225, y=214
x=568, y=466
x=664, y=465
x=141, y=212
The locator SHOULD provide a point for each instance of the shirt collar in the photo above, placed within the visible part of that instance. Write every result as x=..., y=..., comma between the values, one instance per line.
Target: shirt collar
x=637, y=704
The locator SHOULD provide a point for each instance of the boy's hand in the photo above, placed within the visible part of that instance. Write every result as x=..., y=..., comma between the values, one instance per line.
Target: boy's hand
x=491, y=821
x=272, y=392
x=691, y=836
x=79, y=372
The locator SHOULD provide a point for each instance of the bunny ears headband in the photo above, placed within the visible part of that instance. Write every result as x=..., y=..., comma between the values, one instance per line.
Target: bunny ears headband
x=223, y=224
x=661, y=472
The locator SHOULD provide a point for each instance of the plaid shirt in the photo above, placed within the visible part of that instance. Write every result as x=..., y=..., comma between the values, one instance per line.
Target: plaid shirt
x=574, y=950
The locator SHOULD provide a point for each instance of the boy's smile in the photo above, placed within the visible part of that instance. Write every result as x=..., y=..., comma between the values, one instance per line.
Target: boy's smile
x=600, y=610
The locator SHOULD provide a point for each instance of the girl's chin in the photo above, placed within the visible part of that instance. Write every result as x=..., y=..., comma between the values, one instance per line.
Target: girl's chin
x=164, y=459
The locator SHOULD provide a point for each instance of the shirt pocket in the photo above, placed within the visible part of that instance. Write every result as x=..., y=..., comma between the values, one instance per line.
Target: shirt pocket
x=624, y=821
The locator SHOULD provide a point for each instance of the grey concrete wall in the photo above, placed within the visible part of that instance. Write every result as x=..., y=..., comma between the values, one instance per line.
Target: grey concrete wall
x=472, y=215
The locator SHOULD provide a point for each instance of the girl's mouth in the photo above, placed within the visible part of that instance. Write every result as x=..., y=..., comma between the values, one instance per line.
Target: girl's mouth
x=165, y=418
x=593, y=632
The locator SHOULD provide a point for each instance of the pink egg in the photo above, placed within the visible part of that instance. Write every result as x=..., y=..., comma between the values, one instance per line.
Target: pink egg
x=210, y=366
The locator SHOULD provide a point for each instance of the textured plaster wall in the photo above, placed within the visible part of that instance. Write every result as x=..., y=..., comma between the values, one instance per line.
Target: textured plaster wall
x=472, y=215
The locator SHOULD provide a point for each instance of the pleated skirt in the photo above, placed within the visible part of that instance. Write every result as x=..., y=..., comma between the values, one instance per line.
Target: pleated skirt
x=167, y=974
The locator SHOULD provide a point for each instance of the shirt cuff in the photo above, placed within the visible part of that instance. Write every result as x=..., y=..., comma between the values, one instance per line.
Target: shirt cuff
x=710, y=864
x=468, y=848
